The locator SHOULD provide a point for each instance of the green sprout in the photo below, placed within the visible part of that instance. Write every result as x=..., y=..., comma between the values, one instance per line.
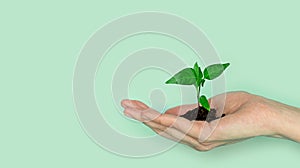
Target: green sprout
x=194, y=76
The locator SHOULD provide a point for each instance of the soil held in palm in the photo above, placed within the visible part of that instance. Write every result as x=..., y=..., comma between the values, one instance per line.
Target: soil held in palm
x=202, y=114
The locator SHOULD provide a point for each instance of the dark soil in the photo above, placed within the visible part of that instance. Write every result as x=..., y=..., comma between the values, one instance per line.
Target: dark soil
x=201, y=115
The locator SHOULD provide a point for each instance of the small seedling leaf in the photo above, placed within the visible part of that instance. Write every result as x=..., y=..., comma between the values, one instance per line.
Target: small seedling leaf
x=186, y=76
x=213, y=71
x=198, y=73
x=204, y=102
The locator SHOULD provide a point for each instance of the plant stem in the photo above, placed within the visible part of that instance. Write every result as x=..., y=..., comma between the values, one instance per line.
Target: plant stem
x=198, y=95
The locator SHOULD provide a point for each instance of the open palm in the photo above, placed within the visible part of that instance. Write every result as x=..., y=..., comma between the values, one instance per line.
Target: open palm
x=247, y=115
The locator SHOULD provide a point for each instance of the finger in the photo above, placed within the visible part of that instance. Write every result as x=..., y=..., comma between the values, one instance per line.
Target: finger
x=133, y=104
x=178, y=136
x=210, y=146
x=174, y=134
x=162, y=130
x=187, y=140
x=180, y=110
x=158, y=131
x=205, y=146
x=217, y=130
x=193, y=129
x=166, y=135
x=154, y=125
x=137, y=114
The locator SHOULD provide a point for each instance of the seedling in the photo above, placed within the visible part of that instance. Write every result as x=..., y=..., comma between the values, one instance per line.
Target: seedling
x=195, y=76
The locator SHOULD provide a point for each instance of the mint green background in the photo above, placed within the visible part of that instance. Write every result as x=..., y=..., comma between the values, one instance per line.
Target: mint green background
x=40, y=42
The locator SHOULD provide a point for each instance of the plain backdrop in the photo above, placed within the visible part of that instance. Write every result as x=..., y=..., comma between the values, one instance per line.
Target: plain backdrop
x=40, y=43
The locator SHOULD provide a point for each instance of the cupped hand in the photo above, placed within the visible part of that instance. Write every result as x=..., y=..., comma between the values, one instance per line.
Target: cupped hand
x=246, y=116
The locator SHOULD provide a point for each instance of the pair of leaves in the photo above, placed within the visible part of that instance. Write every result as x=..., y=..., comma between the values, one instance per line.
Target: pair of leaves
x=194, y=76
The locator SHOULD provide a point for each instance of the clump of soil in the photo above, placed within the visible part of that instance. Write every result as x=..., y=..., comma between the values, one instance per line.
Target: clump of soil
x=201, y=114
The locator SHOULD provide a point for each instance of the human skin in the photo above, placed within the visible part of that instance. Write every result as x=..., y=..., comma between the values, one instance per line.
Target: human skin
x=246, y=115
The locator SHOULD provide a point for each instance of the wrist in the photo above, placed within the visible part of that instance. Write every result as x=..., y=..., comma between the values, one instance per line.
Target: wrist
x=287, y=123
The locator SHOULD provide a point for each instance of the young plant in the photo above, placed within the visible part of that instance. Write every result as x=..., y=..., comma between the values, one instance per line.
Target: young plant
x=194, y=76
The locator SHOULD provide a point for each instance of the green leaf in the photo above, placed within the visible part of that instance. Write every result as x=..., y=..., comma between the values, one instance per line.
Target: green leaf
x=213, y=71
x=198, y=73
x=186, y=76
x=204, y=102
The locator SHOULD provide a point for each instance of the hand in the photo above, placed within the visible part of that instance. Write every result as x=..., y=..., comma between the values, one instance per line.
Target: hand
x=247, y=116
